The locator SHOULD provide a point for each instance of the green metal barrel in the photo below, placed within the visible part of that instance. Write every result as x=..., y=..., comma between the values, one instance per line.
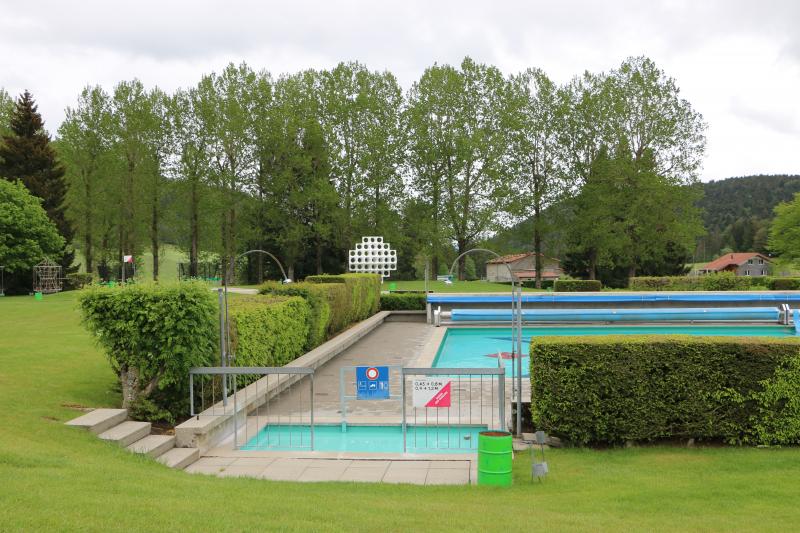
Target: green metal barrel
x=494, y=458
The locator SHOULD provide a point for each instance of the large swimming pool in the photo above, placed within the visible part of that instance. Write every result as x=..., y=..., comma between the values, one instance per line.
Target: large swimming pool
x=386, y=439
x=478, y=347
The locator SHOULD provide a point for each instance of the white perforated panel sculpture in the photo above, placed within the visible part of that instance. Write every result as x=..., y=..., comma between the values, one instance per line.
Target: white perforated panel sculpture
x=374, y=256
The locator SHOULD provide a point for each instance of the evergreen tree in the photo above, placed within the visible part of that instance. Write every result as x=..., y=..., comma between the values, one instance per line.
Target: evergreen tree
x=26, y=155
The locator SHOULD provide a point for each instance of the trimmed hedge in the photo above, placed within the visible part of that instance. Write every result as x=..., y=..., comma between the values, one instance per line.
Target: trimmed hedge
x=403, y=301
x=268, y=330
x=666, y=283
x=152, y=335
x=577, y=285
x=783, y=284
x=317, y=297
x=613, y=389
x=723, y=281
x=364, y=293
x=78, y=280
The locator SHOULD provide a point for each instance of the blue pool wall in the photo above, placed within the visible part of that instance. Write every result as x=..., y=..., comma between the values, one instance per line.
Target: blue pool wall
x=762, y=314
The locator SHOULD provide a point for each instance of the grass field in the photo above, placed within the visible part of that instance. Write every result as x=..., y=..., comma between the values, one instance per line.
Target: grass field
x=59, y=478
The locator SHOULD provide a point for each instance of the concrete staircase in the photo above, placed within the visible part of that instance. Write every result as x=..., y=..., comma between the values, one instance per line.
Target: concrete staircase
x=113, y=425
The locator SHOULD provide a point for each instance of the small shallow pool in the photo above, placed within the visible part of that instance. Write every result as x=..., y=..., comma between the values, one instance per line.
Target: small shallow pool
x=478, y=347
x=379, y=439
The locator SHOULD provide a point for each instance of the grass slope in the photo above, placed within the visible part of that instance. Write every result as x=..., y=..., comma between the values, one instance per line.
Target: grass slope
x=59, y=478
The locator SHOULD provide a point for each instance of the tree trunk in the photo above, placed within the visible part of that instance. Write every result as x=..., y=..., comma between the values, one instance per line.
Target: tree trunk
x=290, y=273
x=318, y=260
x=593, y=264
x=88, y=251
x=154, y=238
x=632, y=271
x=462, y=261
x=194, y=230
x=129, y=379
x=537, y=244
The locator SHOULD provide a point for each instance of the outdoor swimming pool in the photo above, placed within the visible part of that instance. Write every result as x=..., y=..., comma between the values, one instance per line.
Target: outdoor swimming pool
x=379, y=439
x=478, y=347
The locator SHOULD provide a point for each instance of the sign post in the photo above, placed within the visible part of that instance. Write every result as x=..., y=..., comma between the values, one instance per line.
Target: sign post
x=372, y=382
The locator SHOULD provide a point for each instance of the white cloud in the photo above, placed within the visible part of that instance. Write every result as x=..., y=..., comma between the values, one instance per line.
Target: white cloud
x=738, y=61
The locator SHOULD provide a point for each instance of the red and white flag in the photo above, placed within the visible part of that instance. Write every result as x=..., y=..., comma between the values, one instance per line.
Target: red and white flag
x=127, y=259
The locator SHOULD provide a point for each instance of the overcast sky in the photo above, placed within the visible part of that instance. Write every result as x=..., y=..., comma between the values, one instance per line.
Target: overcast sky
x=736, y=61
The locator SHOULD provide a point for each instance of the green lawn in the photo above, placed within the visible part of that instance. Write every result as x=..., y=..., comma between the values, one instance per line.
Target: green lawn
x=456, y=286
x=59, y=478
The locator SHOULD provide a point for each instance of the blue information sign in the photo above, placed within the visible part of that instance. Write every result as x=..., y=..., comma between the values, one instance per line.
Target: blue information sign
x=372, y=382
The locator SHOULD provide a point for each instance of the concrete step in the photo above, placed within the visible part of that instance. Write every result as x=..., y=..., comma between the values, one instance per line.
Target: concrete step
x=99, y=420
x=153, y=445
x=126, y=433
x=179, y=457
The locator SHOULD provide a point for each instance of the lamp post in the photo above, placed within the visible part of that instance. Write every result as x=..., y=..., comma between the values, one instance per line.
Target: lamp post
x=516, y=326
x=2, y=281
x=224, y=326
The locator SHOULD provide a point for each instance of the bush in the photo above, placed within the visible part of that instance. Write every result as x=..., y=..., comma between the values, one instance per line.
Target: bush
x=363, y=298
x=613, y=389
x=783, y=284
x=153, y=335
x=317, y=298
x=403, y=301
x=78, y=280
x=726, y=281
x=577, y=285
x=666, y=283
x=268, y=330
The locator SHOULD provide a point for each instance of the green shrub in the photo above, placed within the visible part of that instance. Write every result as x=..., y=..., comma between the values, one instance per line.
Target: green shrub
x=403, y=301
x=783, y=284
x=78, y=280
x=316, y=295
x=268, y=330
x=726, y=281
x=363, y=298
x=666, y=283
x=153, y=335
x=612, y=389
x=577, y=285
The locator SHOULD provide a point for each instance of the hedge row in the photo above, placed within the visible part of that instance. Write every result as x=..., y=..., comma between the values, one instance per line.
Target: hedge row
x=577, y=285
x=403, y=301
x=268, y=330
x=613, y=389
x=723, y=281
x=152, y=335
x=335, y=301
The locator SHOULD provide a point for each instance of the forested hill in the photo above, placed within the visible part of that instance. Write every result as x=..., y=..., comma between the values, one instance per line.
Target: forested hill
x=729, y=200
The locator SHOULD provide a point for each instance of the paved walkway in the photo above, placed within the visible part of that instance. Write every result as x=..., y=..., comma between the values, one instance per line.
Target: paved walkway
x=418, y=472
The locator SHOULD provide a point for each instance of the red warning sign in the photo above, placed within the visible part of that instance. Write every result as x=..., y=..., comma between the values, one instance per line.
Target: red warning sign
x=432, y=392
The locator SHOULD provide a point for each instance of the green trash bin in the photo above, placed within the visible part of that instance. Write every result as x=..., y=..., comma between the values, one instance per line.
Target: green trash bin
x=494, y=458
x=37, y=295
x=393, y=286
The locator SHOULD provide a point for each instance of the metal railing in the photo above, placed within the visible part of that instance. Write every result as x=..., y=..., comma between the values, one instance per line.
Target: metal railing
x=347, y=381
x=477, y=401
x=267, y=407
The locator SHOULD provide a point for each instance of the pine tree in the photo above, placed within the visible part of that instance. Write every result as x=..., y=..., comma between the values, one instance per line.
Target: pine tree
x=26, y=155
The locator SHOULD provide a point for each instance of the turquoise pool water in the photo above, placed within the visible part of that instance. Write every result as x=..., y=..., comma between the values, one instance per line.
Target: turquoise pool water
x=330, y=438
x=478, y=347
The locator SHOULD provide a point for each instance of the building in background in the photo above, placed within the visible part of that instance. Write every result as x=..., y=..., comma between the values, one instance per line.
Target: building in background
x=741, y=264
x=523, y=266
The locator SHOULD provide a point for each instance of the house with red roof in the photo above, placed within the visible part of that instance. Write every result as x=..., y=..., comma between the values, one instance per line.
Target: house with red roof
x=523, y=266
x=741, y=264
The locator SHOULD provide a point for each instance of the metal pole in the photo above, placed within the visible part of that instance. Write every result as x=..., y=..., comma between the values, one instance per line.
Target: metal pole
x=312, y=412
x=403, y=403
x=191, y=394
x=236, y=418
x=222, y=355
x=426, y=275
x=342, y=401
x=519, y=362
x=501, y=394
